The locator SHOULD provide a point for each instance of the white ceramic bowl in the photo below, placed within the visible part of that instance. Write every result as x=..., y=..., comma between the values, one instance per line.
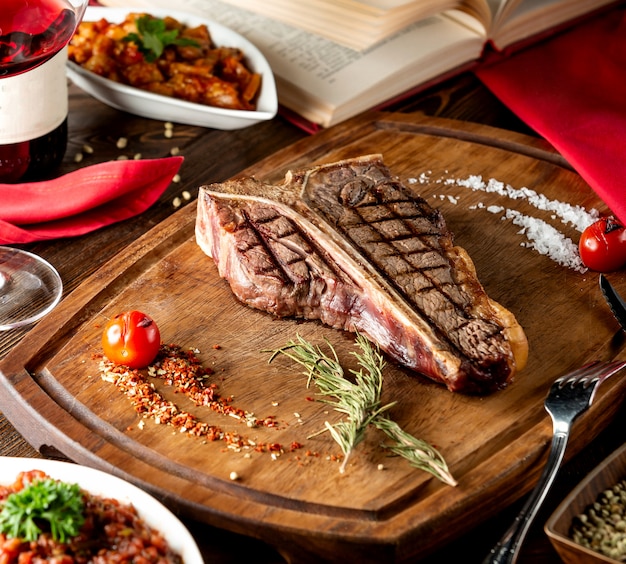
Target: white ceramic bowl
x=102, y=484
x=165, y=108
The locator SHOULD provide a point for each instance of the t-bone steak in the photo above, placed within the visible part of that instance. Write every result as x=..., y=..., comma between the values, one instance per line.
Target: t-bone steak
x=348, y=244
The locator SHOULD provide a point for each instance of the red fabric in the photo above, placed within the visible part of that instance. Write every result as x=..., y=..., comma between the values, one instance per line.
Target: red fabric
x=83, y=200
x=571, y=89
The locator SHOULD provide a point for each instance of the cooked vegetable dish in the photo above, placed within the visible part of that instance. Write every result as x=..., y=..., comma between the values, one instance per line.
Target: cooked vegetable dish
x=167, y=57
x=46, y=520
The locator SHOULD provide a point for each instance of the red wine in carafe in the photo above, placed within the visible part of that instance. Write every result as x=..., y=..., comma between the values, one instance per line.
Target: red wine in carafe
x=33, y=89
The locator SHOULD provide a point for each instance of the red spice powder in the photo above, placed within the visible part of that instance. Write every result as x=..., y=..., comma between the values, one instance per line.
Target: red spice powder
x=183, y=370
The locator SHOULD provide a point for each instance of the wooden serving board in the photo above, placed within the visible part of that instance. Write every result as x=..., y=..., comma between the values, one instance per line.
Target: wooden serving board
x=298, y=501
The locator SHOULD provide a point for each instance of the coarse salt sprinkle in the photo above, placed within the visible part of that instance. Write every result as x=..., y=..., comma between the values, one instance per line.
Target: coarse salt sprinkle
x=541, y=236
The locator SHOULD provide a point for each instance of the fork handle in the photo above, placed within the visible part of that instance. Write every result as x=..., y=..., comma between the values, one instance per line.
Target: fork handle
x=507, y=549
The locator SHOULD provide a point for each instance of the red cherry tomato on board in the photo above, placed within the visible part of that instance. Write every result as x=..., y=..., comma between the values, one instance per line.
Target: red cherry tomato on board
x=131, y=338
x=602, y=245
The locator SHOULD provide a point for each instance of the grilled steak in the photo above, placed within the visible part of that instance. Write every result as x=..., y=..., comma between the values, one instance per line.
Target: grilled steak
x=348, y=244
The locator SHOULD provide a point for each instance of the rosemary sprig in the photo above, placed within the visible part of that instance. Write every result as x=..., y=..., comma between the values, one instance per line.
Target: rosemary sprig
x=360, y=401
x=417, y=451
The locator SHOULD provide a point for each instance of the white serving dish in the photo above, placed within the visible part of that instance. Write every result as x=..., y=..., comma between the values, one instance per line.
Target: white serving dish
x=99, y=483
x=165, y=108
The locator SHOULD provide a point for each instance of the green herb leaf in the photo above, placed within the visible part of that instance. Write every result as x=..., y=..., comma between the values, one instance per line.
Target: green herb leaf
x=360, y=400
x=58, y=505
x=153, y=37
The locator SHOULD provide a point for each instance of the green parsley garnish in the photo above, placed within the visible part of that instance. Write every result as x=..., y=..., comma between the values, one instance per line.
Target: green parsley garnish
x=152, y=37
x=55, y=505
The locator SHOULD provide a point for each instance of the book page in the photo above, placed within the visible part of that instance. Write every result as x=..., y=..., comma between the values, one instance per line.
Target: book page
x=470, y=22
x=371, y=6
x=500, y=7
x=480, y=15
x=372, y=10
x=525, y=18
x=350, y=82
x=382, y=5
x=356, y=26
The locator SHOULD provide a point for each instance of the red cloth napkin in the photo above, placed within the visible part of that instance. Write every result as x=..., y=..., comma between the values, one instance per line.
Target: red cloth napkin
x=571, y=89
x=83, y=200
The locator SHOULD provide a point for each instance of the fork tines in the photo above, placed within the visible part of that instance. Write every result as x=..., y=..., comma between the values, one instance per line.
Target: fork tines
x=594, y=371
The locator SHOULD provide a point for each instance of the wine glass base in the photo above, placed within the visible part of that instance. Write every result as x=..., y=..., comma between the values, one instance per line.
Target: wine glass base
x=29, y=288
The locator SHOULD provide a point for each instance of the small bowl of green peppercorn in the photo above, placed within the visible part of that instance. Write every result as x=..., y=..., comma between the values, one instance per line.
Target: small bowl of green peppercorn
x=589, y=525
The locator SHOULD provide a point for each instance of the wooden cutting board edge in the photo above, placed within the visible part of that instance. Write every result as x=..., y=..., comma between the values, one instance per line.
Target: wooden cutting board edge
x=179, y=228
x=52, y=427
x=274, y=167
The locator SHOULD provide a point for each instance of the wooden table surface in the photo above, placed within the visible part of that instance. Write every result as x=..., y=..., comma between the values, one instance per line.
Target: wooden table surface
x=212, y=156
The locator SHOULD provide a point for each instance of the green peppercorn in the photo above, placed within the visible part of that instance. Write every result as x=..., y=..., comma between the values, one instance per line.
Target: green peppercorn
x=602, y=526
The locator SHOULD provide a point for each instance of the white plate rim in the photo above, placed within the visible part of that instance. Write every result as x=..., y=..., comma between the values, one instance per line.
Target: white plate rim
x=100, y=483
x=133, y=100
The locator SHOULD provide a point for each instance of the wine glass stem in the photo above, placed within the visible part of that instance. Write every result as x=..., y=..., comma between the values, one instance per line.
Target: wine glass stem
x=4, y=280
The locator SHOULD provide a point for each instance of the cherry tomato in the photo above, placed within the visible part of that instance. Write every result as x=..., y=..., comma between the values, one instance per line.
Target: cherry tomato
x=131, y=338
x=603, y=245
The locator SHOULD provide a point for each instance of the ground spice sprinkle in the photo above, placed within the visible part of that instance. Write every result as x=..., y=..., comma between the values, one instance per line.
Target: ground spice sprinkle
x=182, y=370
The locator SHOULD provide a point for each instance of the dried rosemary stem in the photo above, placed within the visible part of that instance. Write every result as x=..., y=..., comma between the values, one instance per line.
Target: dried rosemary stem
x=360, y=401
x=418, y=452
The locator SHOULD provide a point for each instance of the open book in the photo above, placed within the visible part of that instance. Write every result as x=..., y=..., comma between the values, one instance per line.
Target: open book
x=324, y=81
x=361, y=24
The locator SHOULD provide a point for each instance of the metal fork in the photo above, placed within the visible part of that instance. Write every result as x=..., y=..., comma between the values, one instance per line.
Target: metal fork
x=568, y=397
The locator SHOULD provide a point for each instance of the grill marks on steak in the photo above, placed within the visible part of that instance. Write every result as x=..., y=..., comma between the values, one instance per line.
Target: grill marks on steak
x=275, y=248
x=409, y=243
x=280, y=269
x=349, y=245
